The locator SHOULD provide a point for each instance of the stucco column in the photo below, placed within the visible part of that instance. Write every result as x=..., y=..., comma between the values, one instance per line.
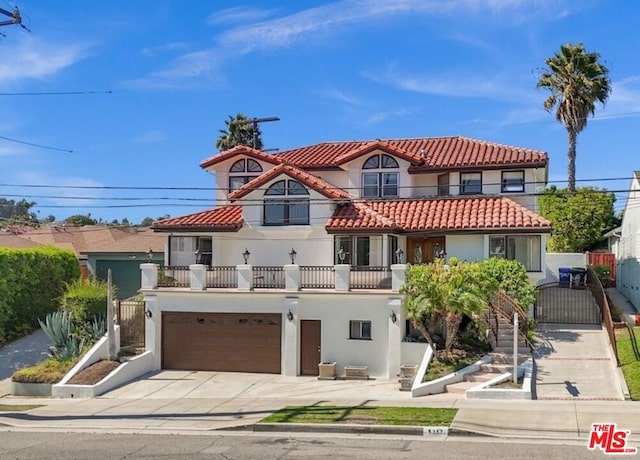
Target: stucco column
x=245, y=277
x=152, y=333
x=343, y=277
x=398, y=276
x=149, y=276
x=290, y=346
x=292, y=277
x=394, y=346
x=198, y=277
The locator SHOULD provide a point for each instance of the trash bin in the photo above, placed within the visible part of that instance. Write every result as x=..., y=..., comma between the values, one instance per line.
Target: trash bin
x=564, y=276
x=578, y=276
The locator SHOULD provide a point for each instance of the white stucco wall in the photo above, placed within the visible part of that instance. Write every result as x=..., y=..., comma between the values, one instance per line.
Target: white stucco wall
x=382, y=354
x=467, y=247
x=555, y=260
x=628, y=275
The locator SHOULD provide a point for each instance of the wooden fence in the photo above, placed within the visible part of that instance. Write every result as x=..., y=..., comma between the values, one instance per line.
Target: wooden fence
x=604, y=258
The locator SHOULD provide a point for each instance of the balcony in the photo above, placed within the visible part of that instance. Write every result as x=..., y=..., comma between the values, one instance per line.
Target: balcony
x=289, y=277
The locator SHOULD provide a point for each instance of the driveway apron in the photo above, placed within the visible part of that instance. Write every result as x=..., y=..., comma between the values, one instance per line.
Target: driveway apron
x=575, y=362
x=23, y=352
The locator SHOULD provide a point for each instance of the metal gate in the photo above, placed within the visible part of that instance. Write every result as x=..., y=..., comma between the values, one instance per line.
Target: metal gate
x=569, y=305
x=130, y=317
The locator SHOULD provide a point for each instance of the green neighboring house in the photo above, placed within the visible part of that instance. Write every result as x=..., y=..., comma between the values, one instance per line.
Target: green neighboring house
x=124, y=257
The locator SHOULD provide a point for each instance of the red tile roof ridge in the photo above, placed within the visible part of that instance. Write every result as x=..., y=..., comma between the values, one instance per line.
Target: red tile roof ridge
x=238, y=150
x=498, y=144
x=386, y=220
x=310, y=180
x=374, y=145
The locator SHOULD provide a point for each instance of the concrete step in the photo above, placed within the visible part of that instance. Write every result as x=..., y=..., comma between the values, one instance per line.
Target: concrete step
x=499, y=368
x=509, y=348
x=460, y=387
x=507, y=358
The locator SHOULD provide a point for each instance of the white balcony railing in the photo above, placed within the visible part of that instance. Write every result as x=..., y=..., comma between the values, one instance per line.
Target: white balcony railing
x=290, y=277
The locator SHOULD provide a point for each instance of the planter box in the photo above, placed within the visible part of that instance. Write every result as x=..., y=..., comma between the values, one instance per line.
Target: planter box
x=30, y=389
x=327, y=371
x=356, y=372
x=408, y=370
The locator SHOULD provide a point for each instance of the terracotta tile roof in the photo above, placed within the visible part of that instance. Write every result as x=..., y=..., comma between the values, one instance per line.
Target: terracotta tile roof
x=138, y=242
x=450, y=214
x=237, y=151
x=425, y=153
x=222, y=219
x=377, y=145
x=311, y=181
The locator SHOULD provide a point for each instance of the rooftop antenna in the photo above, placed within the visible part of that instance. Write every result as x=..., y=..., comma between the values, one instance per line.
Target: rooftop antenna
x=14, y=16
x=254, y=123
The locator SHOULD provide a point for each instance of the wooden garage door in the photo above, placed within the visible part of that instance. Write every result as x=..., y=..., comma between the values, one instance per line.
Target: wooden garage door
x=232, y=342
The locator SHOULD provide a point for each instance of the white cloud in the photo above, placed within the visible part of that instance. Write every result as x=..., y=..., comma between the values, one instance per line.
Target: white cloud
x=150, y=137
x=7, y=151
x=624, y=100
x=167, y=47
x=238, y=14
x=374, y=118
x=325, y=20
x=343, y=97
x=34, y=58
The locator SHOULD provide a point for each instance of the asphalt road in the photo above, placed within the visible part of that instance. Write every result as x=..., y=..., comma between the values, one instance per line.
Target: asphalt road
x=26, y=351
x=66, y=446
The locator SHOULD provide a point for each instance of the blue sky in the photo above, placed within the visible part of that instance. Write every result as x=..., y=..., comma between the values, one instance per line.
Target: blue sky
x=331, y=70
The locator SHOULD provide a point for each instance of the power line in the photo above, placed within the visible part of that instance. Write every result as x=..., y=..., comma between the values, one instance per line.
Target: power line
x=35, y=145
x=57, y=93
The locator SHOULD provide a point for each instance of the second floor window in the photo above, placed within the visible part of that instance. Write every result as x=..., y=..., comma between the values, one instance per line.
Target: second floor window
x=286, y=202
x=377, y=178
x=243, y=171
x=512, y=181
x=470, y=183
x=443, y=184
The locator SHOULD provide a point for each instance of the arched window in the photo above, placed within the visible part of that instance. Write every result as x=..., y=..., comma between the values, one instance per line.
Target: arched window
x=286, y=203
x=378, y=180
x=243, y=171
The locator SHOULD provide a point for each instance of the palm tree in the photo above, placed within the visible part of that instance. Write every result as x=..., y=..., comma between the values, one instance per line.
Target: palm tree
x=240, y=130
x=577, y=81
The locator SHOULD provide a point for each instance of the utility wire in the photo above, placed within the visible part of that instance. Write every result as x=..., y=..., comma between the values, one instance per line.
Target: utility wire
x=58, y=93
x=35, y=145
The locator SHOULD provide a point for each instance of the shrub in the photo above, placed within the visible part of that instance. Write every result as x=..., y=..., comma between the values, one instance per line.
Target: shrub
x=603, y=272
x=511, y=276
x=32, y=279
x=48, y=371
x=85, y=299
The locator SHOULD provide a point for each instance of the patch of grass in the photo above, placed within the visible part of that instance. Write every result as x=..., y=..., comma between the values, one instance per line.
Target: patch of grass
x=440, y=366
x=630, y=366
x=412, y=416
x=18, y=407
x=48, y=371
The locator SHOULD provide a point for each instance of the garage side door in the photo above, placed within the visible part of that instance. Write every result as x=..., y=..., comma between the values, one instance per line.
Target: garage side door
x=230, y=342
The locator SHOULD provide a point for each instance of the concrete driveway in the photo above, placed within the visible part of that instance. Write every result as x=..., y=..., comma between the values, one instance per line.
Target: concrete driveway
x=169, y=384
x=576, y=362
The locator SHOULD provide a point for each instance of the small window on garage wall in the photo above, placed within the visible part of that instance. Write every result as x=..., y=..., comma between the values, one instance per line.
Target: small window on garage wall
x=360, y=330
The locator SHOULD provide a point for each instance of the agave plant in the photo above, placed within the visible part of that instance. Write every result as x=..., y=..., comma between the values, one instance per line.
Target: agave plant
x=59, y=328
x=96, y=328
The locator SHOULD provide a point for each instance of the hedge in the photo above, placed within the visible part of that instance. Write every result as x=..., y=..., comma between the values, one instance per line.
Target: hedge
x=31, y=283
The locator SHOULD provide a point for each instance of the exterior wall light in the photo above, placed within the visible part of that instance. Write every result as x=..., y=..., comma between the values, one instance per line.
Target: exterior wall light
x=399, y=256
x=150, y=255
x=293, y=254
x=290, y=316
x=394, y=317
x=341, y=255
x=245, y=256
x=148, y=313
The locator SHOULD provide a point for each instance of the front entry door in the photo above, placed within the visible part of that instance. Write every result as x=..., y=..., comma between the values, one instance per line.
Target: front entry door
x=309, y=347
x=425, y=250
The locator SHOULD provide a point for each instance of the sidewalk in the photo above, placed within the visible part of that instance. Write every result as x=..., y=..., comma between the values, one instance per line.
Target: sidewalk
x=553, y=420
x=621, y=301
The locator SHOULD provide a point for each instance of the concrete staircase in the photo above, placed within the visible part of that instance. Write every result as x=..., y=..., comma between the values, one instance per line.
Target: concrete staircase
x=501, y=358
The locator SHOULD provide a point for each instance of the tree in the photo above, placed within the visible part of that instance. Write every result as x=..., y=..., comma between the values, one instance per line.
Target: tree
x=240, y=130
x=577, y=81
x=579, y=219
x=80, y=220
x=16, y=212
x=147, y=221
x=449, y=292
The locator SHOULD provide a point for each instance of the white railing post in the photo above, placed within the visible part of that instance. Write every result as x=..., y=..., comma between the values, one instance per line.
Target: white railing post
x=198, y=277
x=398, y=276
x=292, y=277
x=343, y=277
x=515, y=348
x=149, y=276
x=245, y=277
